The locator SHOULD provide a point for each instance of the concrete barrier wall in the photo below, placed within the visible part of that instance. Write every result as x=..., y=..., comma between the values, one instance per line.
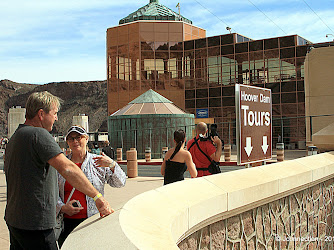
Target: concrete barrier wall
x=262, y=207
x=303, y=220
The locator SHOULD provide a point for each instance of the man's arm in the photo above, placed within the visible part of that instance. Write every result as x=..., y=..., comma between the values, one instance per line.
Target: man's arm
x=216, y=155
x=77, y=179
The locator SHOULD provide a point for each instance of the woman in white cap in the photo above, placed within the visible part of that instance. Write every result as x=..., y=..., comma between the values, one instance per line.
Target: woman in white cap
x=99, y=169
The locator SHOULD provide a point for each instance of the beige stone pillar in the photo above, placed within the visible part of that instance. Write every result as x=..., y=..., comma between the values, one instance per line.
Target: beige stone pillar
x=280, y=151
x=227, y=152
x=132, y=164
x=164, y=151
x=148, y=154
x=119, y=154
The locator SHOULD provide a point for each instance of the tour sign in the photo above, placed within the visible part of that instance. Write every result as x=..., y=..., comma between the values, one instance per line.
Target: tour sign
x=254, y=123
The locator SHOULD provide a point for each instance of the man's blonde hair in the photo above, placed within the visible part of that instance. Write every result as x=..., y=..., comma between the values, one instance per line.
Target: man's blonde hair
x=41, y=100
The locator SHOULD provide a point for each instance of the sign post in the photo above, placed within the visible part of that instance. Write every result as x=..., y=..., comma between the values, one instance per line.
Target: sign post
x=254, y=124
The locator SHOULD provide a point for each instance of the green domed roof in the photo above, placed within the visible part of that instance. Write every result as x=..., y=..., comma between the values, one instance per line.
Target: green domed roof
x=150, y=96
x=149, y=103
x=154, y=11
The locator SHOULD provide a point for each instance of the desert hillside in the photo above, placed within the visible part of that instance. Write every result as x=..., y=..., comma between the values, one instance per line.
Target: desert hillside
x=88, y=98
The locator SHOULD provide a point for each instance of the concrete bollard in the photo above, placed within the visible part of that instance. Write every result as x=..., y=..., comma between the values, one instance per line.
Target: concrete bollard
x=164, y=151
x=312, y=150
x=132, y=164
x=148, y=154
x=227, y=152
x=256, y=164
x=280, y=151
x=119, y=154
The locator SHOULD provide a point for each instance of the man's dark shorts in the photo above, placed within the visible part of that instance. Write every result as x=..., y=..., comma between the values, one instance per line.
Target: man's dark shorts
x=32, y=239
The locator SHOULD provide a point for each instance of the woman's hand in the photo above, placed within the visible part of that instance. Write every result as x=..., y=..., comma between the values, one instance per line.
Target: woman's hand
x=104, y=161
x=69, y=209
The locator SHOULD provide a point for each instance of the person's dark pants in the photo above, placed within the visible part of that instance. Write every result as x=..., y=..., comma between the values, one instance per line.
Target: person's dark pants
x=69, y=225
x=32, y=239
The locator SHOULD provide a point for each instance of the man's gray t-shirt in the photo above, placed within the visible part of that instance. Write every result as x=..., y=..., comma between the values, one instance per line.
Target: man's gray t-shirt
x=32, y=189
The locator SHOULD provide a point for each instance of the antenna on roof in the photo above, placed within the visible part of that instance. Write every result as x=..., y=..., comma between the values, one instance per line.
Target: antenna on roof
x=178, y=5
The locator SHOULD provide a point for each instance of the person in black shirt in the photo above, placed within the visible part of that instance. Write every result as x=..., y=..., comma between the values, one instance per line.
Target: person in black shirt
x=182, y=161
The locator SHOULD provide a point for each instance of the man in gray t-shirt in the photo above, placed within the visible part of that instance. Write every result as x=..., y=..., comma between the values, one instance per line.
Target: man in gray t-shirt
x=32, y=158
x=28, y=152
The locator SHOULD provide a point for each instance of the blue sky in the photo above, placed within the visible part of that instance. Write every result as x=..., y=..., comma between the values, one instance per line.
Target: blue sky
x=44, y=41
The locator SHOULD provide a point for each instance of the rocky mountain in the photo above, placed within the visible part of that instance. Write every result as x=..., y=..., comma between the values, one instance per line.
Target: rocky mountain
x=88, y=98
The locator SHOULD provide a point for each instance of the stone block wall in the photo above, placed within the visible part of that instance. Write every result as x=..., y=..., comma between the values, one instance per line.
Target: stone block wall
x=303, y=220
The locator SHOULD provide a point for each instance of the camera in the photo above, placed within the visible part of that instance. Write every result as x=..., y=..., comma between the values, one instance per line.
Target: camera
x=212, y=133
x=76, y=204
x=213, y=130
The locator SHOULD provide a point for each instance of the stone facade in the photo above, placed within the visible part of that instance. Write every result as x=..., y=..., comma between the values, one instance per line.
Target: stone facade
x=303, y=220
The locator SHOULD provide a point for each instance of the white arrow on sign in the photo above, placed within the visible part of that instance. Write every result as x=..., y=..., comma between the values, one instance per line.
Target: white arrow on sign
x=248, y=147
x=265, y=144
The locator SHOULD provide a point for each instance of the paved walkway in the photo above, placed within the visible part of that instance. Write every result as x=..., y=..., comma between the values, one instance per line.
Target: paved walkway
x=116, y=197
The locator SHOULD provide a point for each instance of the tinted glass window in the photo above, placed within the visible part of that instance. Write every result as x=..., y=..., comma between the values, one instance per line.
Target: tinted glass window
x=287, y=53
x=276, y=98
x=227, y=39
x=271, y=43
x=229, y=101
x=201, y=103
x=301, y=51
x=275, y=87
x=200, y=43
x=190, y=94
x=301, y=96
x=215, y=112
x=190, y=103
x=227, y=50
x=175, y=46
x=300, y=85
x=289, y=98
x=256, y=45
x=288, y=86
x=189, y=45
x=201, y=93
x=241, y=47
x=215, y=102
x=214, y=41
x=228, y=91
x=287, y=41
x=215, y=92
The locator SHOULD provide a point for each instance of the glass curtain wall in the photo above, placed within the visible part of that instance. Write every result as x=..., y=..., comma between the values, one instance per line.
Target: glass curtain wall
x=202, y=73
x=216, y=64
